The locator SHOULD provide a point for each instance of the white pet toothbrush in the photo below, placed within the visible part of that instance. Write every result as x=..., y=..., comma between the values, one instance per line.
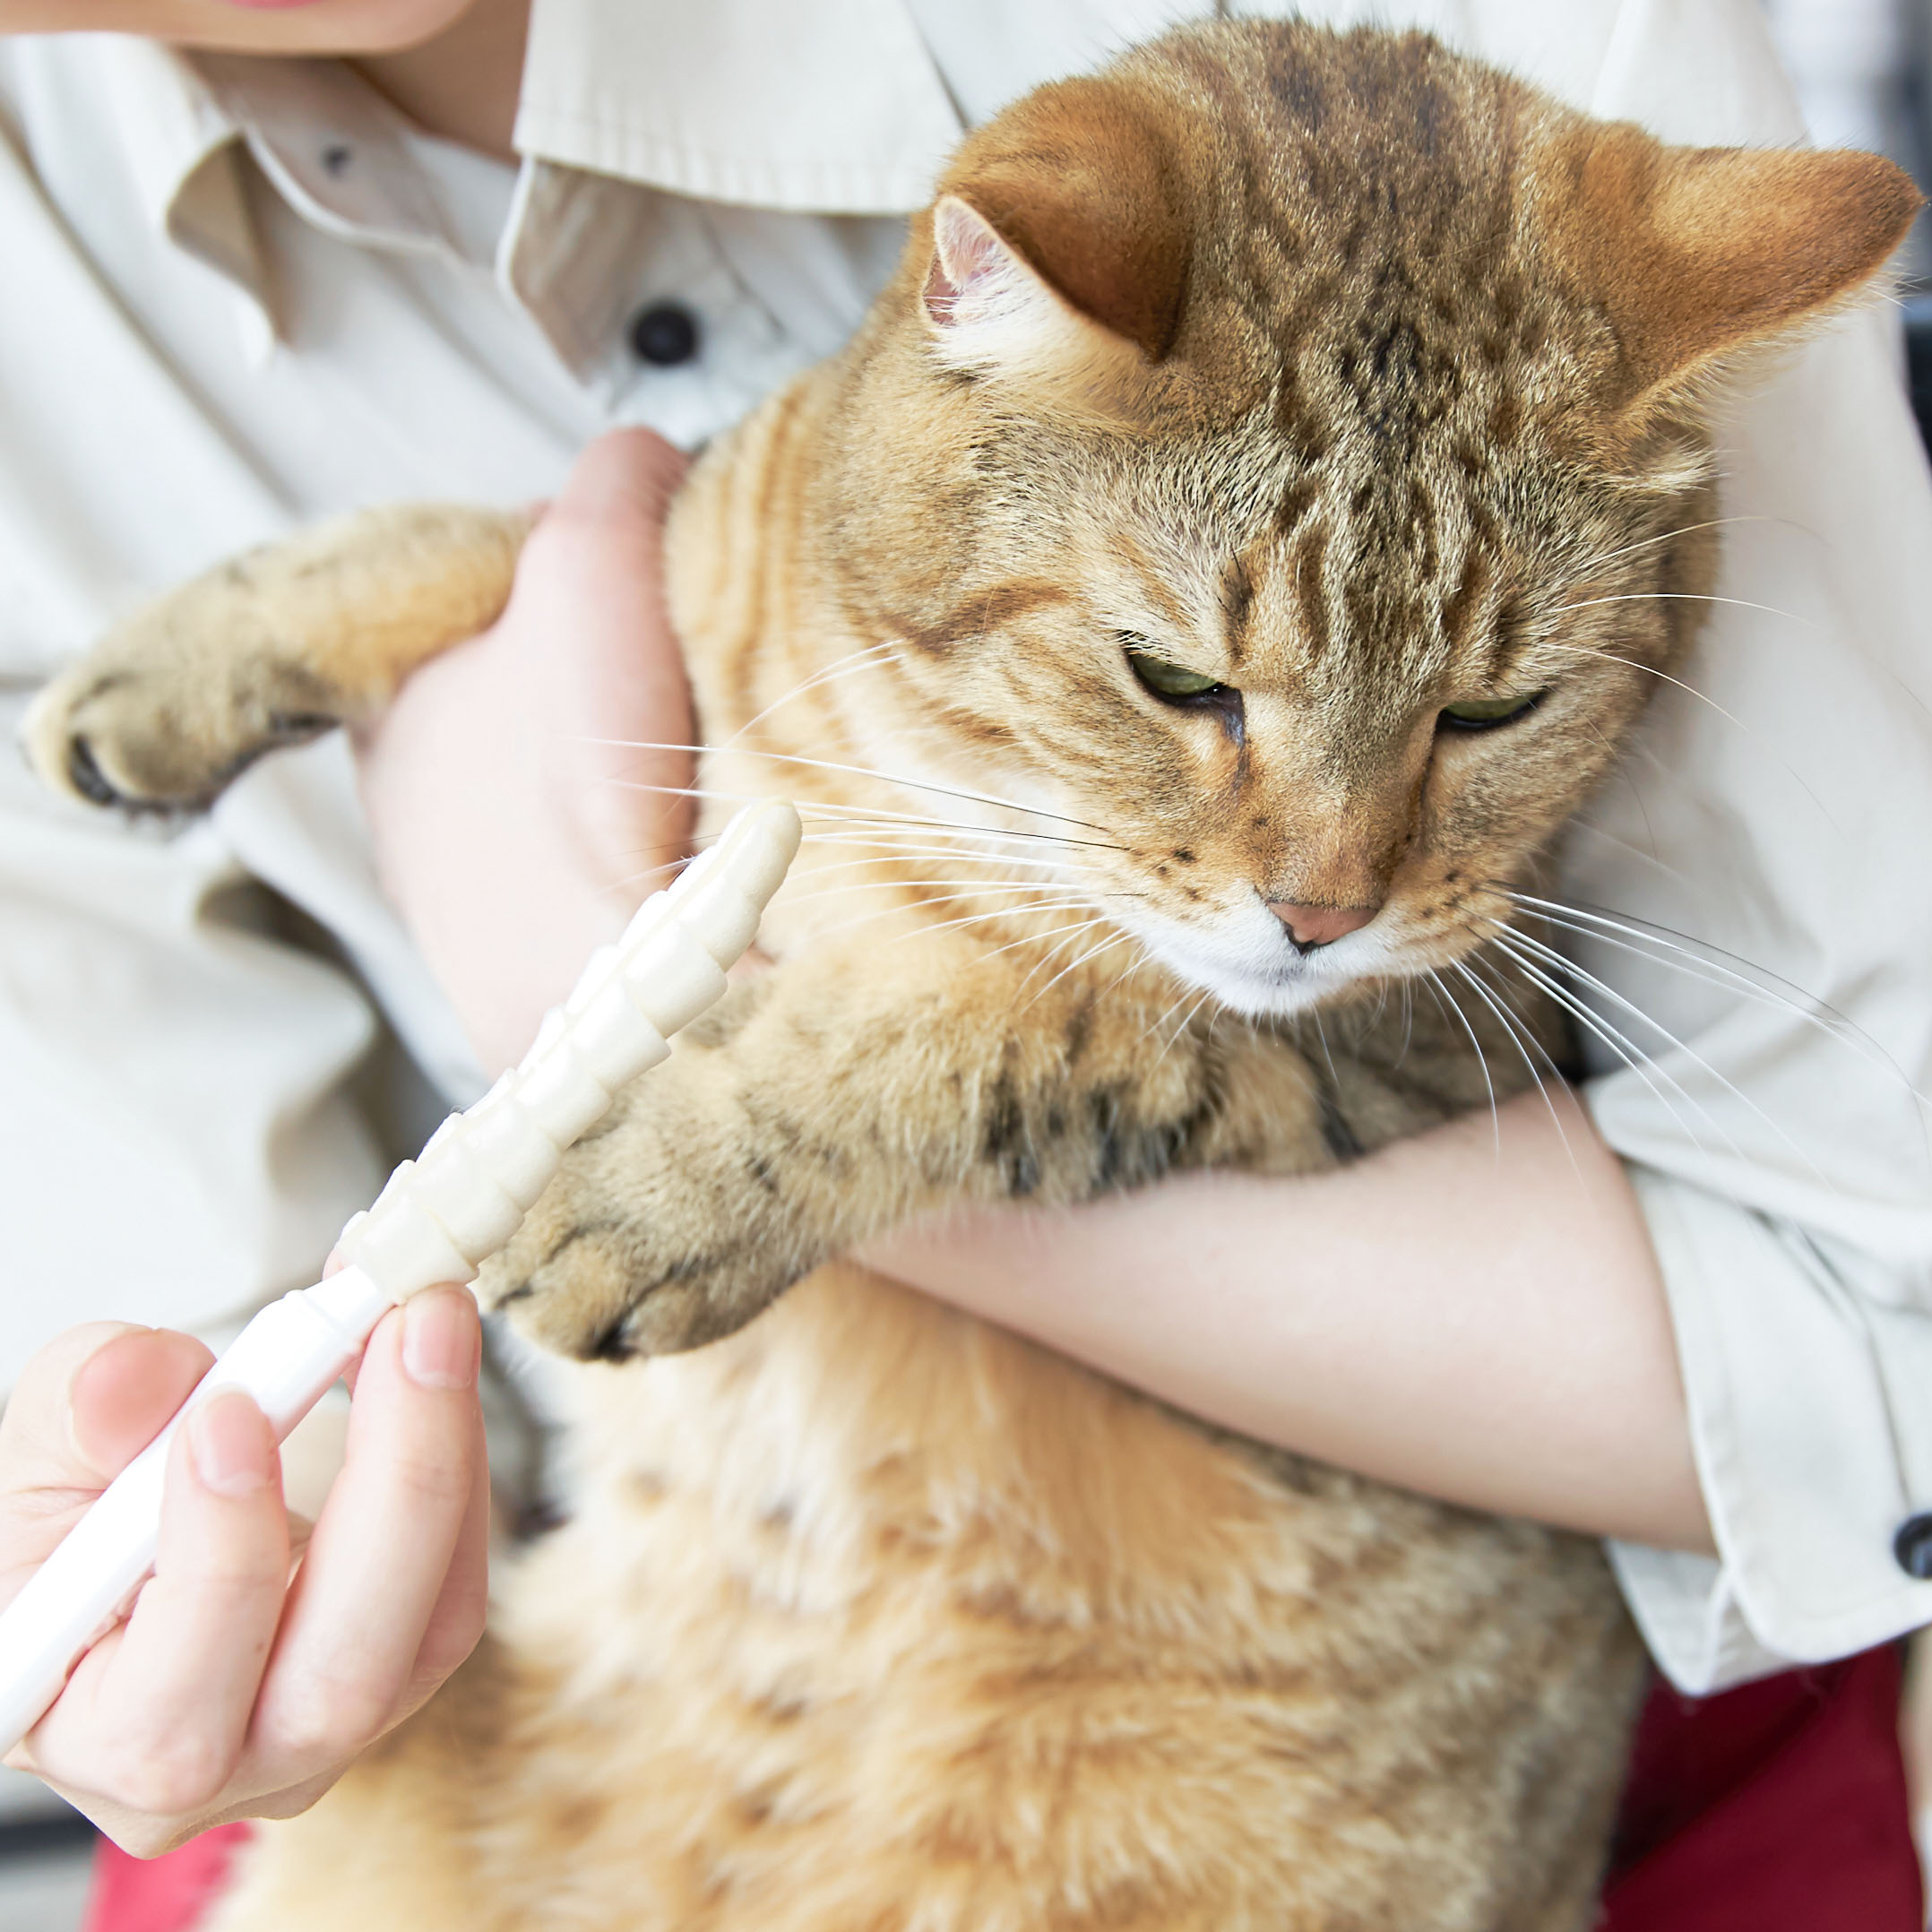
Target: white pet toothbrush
x=440, y=1217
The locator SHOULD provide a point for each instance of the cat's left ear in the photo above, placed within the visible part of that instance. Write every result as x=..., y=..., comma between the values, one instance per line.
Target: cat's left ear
x=1698, y=254
x=1059, y=247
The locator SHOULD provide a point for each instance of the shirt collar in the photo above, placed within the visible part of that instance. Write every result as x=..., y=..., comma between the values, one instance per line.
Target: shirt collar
x=335, y=150
x=185, y=121
x=180, y=145
x=737, y=102
x=741, y=100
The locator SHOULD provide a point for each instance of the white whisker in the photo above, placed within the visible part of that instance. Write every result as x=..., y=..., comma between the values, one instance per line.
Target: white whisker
x=936, y=926
x=1595, y=564
x=892, y=853
x=811, y=809
x=860, y=771
x=891, y=850
x=1035, y=938
x=1441, y=992
x=1609, y=992
x=1587, y=923
x=864, y=660
x=1625, y=1049
x=1510, y=1026
x=1731, y=717
x=1073, y=965
x=962, y=889
x=1186, y=1021
x=1690, y=597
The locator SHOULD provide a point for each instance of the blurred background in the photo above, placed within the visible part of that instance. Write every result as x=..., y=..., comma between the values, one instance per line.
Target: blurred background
x=1863, y=69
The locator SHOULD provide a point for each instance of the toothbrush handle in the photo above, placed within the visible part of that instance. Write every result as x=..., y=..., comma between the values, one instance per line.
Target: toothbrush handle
x=287, y=1359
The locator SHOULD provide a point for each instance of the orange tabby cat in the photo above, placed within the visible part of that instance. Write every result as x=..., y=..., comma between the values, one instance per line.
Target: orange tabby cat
x=1244, y=528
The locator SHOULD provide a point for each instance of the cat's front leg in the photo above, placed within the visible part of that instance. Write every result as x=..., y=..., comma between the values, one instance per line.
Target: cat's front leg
x=267, y=650
x=849, y=1090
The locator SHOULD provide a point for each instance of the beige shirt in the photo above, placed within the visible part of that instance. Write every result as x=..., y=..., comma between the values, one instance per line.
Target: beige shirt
x=236, y=294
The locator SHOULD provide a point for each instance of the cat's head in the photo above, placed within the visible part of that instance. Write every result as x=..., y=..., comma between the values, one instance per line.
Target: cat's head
x=1282, y=453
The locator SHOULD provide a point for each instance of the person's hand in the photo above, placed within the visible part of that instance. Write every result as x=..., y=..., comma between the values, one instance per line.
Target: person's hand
x=510, y=826
x=231, y=1692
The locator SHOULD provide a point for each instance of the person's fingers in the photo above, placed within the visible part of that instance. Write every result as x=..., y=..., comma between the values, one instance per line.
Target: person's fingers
x=456, y=1621
x=380, y=1553
x=156, y=1717
x=104, y=1365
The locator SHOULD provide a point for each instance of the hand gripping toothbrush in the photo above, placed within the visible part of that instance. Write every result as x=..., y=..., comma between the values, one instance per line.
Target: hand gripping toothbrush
x=440, y=1217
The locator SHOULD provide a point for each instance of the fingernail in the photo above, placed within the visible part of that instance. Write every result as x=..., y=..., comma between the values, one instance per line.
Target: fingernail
x=229, y=1440
x=439, y=1340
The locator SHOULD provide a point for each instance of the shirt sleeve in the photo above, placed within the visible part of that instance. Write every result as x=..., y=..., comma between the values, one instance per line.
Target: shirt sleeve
x=1805, y=1379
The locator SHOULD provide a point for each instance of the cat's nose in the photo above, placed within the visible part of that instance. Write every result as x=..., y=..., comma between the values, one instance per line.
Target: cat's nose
x=1310, y=927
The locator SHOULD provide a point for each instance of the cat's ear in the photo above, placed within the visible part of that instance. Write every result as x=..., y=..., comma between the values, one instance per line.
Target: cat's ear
x=1058, y=242
x=1698, y=253
x=988, y=307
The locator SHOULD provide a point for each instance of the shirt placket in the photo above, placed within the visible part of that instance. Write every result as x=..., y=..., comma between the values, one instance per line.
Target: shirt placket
x=632, y=291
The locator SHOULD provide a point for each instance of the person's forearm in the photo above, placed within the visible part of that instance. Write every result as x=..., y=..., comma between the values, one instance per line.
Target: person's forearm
x=1486, y=1327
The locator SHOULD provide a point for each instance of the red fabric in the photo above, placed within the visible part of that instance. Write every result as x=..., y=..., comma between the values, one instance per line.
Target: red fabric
x=1778, y=1807
x=166, y=1894
x=1779, y=1804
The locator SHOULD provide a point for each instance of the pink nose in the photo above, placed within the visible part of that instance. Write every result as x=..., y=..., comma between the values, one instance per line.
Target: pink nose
x=1310, y=927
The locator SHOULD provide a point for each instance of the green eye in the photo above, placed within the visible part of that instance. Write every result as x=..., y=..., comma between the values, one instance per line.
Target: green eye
x=1167, y=680
x=1480, y=714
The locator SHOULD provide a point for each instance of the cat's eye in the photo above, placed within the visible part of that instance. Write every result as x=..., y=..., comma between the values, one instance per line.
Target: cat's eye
x=1173, y=682
x=1483, y=714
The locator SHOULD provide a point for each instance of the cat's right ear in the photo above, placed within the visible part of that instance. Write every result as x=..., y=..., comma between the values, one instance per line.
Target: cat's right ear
x=987, y=309
x=1059, y=246
x=990, y=312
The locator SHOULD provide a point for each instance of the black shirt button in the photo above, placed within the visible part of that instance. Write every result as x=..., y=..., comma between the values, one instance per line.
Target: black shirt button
x=664, y=334
x=1912, y=1546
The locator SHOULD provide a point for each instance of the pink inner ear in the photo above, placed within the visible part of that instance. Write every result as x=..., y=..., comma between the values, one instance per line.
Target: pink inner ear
x=965, y=252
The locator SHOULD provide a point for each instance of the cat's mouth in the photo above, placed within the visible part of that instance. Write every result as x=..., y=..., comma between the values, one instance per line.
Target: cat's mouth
x=1248, y=961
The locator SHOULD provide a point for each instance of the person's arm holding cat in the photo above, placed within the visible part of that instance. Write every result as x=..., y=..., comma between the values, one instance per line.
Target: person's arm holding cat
x=1394, y=1317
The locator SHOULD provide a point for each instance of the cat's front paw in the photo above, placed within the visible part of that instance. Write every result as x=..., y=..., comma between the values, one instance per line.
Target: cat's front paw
x=268, y=649
x=151, y=722
x=653, y=1238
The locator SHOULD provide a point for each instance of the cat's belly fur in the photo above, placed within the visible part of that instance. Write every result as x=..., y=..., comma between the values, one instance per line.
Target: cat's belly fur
x=874, y=1616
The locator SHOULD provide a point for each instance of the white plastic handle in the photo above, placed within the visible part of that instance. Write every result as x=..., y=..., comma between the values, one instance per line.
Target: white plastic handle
x=440, y=1217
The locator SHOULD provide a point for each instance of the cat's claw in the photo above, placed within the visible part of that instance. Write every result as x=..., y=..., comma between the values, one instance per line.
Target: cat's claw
x=641, y=1246
x=84, y=775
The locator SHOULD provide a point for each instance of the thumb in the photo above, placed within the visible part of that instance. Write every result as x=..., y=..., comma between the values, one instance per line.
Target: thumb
x=627, y=476
x=82, y=1410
